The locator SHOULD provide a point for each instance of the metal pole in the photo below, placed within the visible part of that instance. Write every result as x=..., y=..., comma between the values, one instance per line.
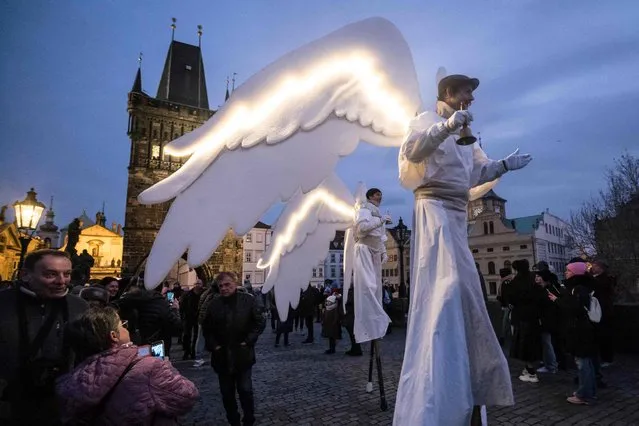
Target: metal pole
x=24, y=245
x=402, y=283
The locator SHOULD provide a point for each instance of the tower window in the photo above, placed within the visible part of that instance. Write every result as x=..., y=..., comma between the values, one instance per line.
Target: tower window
x=155, y=151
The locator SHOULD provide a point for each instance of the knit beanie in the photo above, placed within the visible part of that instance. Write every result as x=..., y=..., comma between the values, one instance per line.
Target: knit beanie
x=577, y=268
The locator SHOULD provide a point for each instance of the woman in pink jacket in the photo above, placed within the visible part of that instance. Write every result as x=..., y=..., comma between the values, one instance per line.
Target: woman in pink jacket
x=114, y=385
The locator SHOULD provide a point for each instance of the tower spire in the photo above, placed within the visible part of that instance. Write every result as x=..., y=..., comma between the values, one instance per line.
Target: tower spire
x=233, y=89
x=227, y=96
x=137, y=83
x=170, y=58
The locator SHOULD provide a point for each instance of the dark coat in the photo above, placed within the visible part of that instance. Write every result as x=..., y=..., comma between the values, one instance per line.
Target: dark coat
x=189, y=304
x=51, y=357
x=526, y=298
x=286, y=326
x=150, y=316
x=308, y=302
x=604, y=287
x=549, y=313
x=580, y=332
x=233, y=324
x=332, y=323
x=205, y=300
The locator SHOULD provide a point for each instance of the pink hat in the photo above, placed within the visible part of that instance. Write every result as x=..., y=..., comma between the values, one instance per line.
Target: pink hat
x=577, y=268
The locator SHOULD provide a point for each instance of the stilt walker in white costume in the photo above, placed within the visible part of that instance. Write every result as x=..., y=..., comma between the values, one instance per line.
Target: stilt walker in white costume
x=281, y=136
x=453, y=362
x=371, y=322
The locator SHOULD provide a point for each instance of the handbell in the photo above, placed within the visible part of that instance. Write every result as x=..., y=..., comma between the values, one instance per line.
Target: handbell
x=465, y=134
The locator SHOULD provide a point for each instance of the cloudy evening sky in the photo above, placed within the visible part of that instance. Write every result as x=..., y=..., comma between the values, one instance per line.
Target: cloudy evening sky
x=559, y=79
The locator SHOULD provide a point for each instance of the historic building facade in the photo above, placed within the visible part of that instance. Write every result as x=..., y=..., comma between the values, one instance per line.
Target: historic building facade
x=391, y=269
x=496, y=241
x=255, y=244
x=180, y=106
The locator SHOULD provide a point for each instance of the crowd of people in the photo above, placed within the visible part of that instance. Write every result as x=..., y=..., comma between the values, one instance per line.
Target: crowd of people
x=82, y=353
x=98, y=353
x=560, y=325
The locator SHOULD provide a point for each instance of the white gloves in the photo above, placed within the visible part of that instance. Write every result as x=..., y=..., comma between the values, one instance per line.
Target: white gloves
x=515, y=161
x=387, y=219
x=458, y=119
x=384, y=258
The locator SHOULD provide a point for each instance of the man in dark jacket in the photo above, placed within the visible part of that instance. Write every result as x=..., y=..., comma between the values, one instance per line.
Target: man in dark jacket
x=189, y=304
x=231, y=328
x=32, y=352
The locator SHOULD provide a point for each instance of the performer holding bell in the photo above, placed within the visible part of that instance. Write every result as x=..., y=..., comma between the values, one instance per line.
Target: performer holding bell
x=453, y=363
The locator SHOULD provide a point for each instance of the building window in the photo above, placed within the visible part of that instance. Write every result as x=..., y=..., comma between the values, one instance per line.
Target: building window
x=507, y=264
x=314, y=273
x=485, y=228
x=523, y=246
x=333, y=274
x=258, y=238
x=505, y=248
x=249, y=238
x=155, y=151
x=320, y=273
x=492, y=227
x=546, y=228
x=396, y=272
x=341, y=258
x=332, y=257
x=489, y=249
x=491, y=268
x=395, y=258
x=492, y=288
x=475, y=250
x=248, y=257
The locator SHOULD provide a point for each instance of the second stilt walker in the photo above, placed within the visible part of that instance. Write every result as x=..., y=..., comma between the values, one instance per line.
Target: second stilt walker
x=371, y=322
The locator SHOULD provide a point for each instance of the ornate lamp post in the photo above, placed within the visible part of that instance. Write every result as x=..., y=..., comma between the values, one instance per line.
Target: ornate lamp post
x=28, y=213
x=403, y=237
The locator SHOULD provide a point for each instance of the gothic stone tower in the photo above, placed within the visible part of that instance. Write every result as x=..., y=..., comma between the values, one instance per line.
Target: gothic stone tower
x=181, y=105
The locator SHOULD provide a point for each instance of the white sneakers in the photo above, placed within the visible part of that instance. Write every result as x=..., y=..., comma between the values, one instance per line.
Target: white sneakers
x=527, y=377
x=546, y=370
x=198, y=363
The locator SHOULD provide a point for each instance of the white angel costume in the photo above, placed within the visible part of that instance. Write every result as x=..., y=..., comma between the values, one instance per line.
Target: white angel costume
x=278, y=139
x=371, y=322
x=452, y=359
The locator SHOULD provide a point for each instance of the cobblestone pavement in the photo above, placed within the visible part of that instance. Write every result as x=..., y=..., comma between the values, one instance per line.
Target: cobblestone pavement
x=300, y=385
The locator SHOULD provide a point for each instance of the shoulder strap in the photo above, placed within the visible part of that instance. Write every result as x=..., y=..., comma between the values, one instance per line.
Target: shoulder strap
x=29, y=350
x=99, y=409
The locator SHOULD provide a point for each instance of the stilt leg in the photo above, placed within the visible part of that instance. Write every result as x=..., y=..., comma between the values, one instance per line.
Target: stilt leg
x=383, y=405
x=475, y=419
x=369, y=385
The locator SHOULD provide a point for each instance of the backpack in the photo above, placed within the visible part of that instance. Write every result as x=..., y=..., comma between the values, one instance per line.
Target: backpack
x=594, y=313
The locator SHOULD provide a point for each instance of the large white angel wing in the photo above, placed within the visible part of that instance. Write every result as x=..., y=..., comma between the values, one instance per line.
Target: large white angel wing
x=283, y=131
x=301, y=239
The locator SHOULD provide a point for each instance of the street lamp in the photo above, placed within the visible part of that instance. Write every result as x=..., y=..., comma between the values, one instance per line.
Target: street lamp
x=28, y=213
x=402, y=236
